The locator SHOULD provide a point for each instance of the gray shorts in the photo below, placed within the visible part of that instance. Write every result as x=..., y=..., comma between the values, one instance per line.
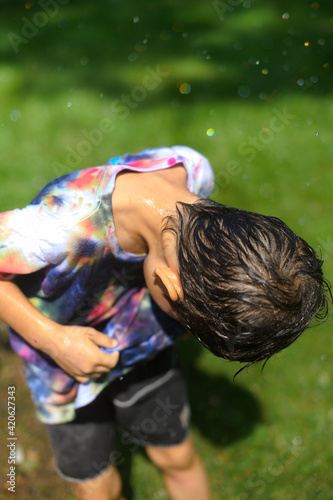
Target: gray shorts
x=148, y=406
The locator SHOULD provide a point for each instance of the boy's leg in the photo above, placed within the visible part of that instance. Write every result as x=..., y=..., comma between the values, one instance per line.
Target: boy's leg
x=152, y=410
x=82, y=450
x=107, y=486
x=184, y=473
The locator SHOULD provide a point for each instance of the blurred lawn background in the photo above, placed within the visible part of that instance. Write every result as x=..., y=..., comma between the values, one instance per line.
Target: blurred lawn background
x=248, y=84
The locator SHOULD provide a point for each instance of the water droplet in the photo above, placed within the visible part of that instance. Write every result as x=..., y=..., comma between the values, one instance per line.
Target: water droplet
x=306, y=44
x=185, y=88
x=288, y=41
x=321, y=42
x=132, y=57
x=244, y=91
x=297, y=441
x=315, y=5
x=326, y=65
x=140, y=46
x=324, y=379
x=63, y=23
x=178, y=27
x=84, y=61
x=15, y=115
x=165, y=35
x=210, y=132
x=136, y=19
x=238, y=46
x=266, y=191
x=317, y=133
x=314, y=78
x=309, y=121
x=214, y=400
x=69, y=104
x=264, y=71
x=28, y=5
x=300, y=82
x=285, y=15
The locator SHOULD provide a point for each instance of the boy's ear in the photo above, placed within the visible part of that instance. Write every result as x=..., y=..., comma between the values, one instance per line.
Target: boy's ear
x=171, y=281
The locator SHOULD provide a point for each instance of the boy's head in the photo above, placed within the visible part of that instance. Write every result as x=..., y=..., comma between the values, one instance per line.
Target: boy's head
x=251, y=285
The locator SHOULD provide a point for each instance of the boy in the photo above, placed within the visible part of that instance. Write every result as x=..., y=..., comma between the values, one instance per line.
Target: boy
x=90, y=268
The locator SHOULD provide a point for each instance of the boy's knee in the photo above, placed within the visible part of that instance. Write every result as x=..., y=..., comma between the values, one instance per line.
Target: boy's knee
x=178, y=457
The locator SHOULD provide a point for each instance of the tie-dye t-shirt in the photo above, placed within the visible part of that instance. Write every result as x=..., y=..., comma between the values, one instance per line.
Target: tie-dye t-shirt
x=62, y=251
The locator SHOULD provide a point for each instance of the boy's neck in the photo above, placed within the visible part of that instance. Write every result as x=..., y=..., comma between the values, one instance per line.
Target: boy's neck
x=141, y=202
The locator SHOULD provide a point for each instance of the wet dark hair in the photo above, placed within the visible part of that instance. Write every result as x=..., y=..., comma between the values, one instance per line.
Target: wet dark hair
x=251, y=285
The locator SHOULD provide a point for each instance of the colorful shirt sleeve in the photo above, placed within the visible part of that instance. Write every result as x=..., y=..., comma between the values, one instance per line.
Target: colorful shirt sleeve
x=43, y=233
x=30, y=239
x=200, y=180
x=200, y=176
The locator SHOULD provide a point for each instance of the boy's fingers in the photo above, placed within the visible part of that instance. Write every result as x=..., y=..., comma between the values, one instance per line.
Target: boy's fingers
x=105, y=363
x=102, y=340
x=108, y=361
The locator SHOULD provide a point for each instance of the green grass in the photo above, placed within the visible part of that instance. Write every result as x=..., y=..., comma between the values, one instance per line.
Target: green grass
x=265, y=435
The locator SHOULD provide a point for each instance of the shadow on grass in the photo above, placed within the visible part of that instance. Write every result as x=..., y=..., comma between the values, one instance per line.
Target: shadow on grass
x=105, y=47
x=222, y=411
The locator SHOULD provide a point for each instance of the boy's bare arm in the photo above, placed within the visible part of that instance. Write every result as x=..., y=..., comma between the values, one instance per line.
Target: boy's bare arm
x=74, y=348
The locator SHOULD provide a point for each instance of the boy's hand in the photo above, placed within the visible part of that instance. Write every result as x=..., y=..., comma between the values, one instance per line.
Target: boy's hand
x=76, y=350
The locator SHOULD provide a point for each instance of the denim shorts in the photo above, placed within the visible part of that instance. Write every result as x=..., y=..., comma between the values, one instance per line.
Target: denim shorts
x=148, y=406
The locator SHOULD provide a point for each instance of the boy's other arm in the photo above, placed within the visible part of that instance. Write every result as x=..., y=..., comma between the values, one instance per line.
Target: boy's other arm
x=74, y=348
